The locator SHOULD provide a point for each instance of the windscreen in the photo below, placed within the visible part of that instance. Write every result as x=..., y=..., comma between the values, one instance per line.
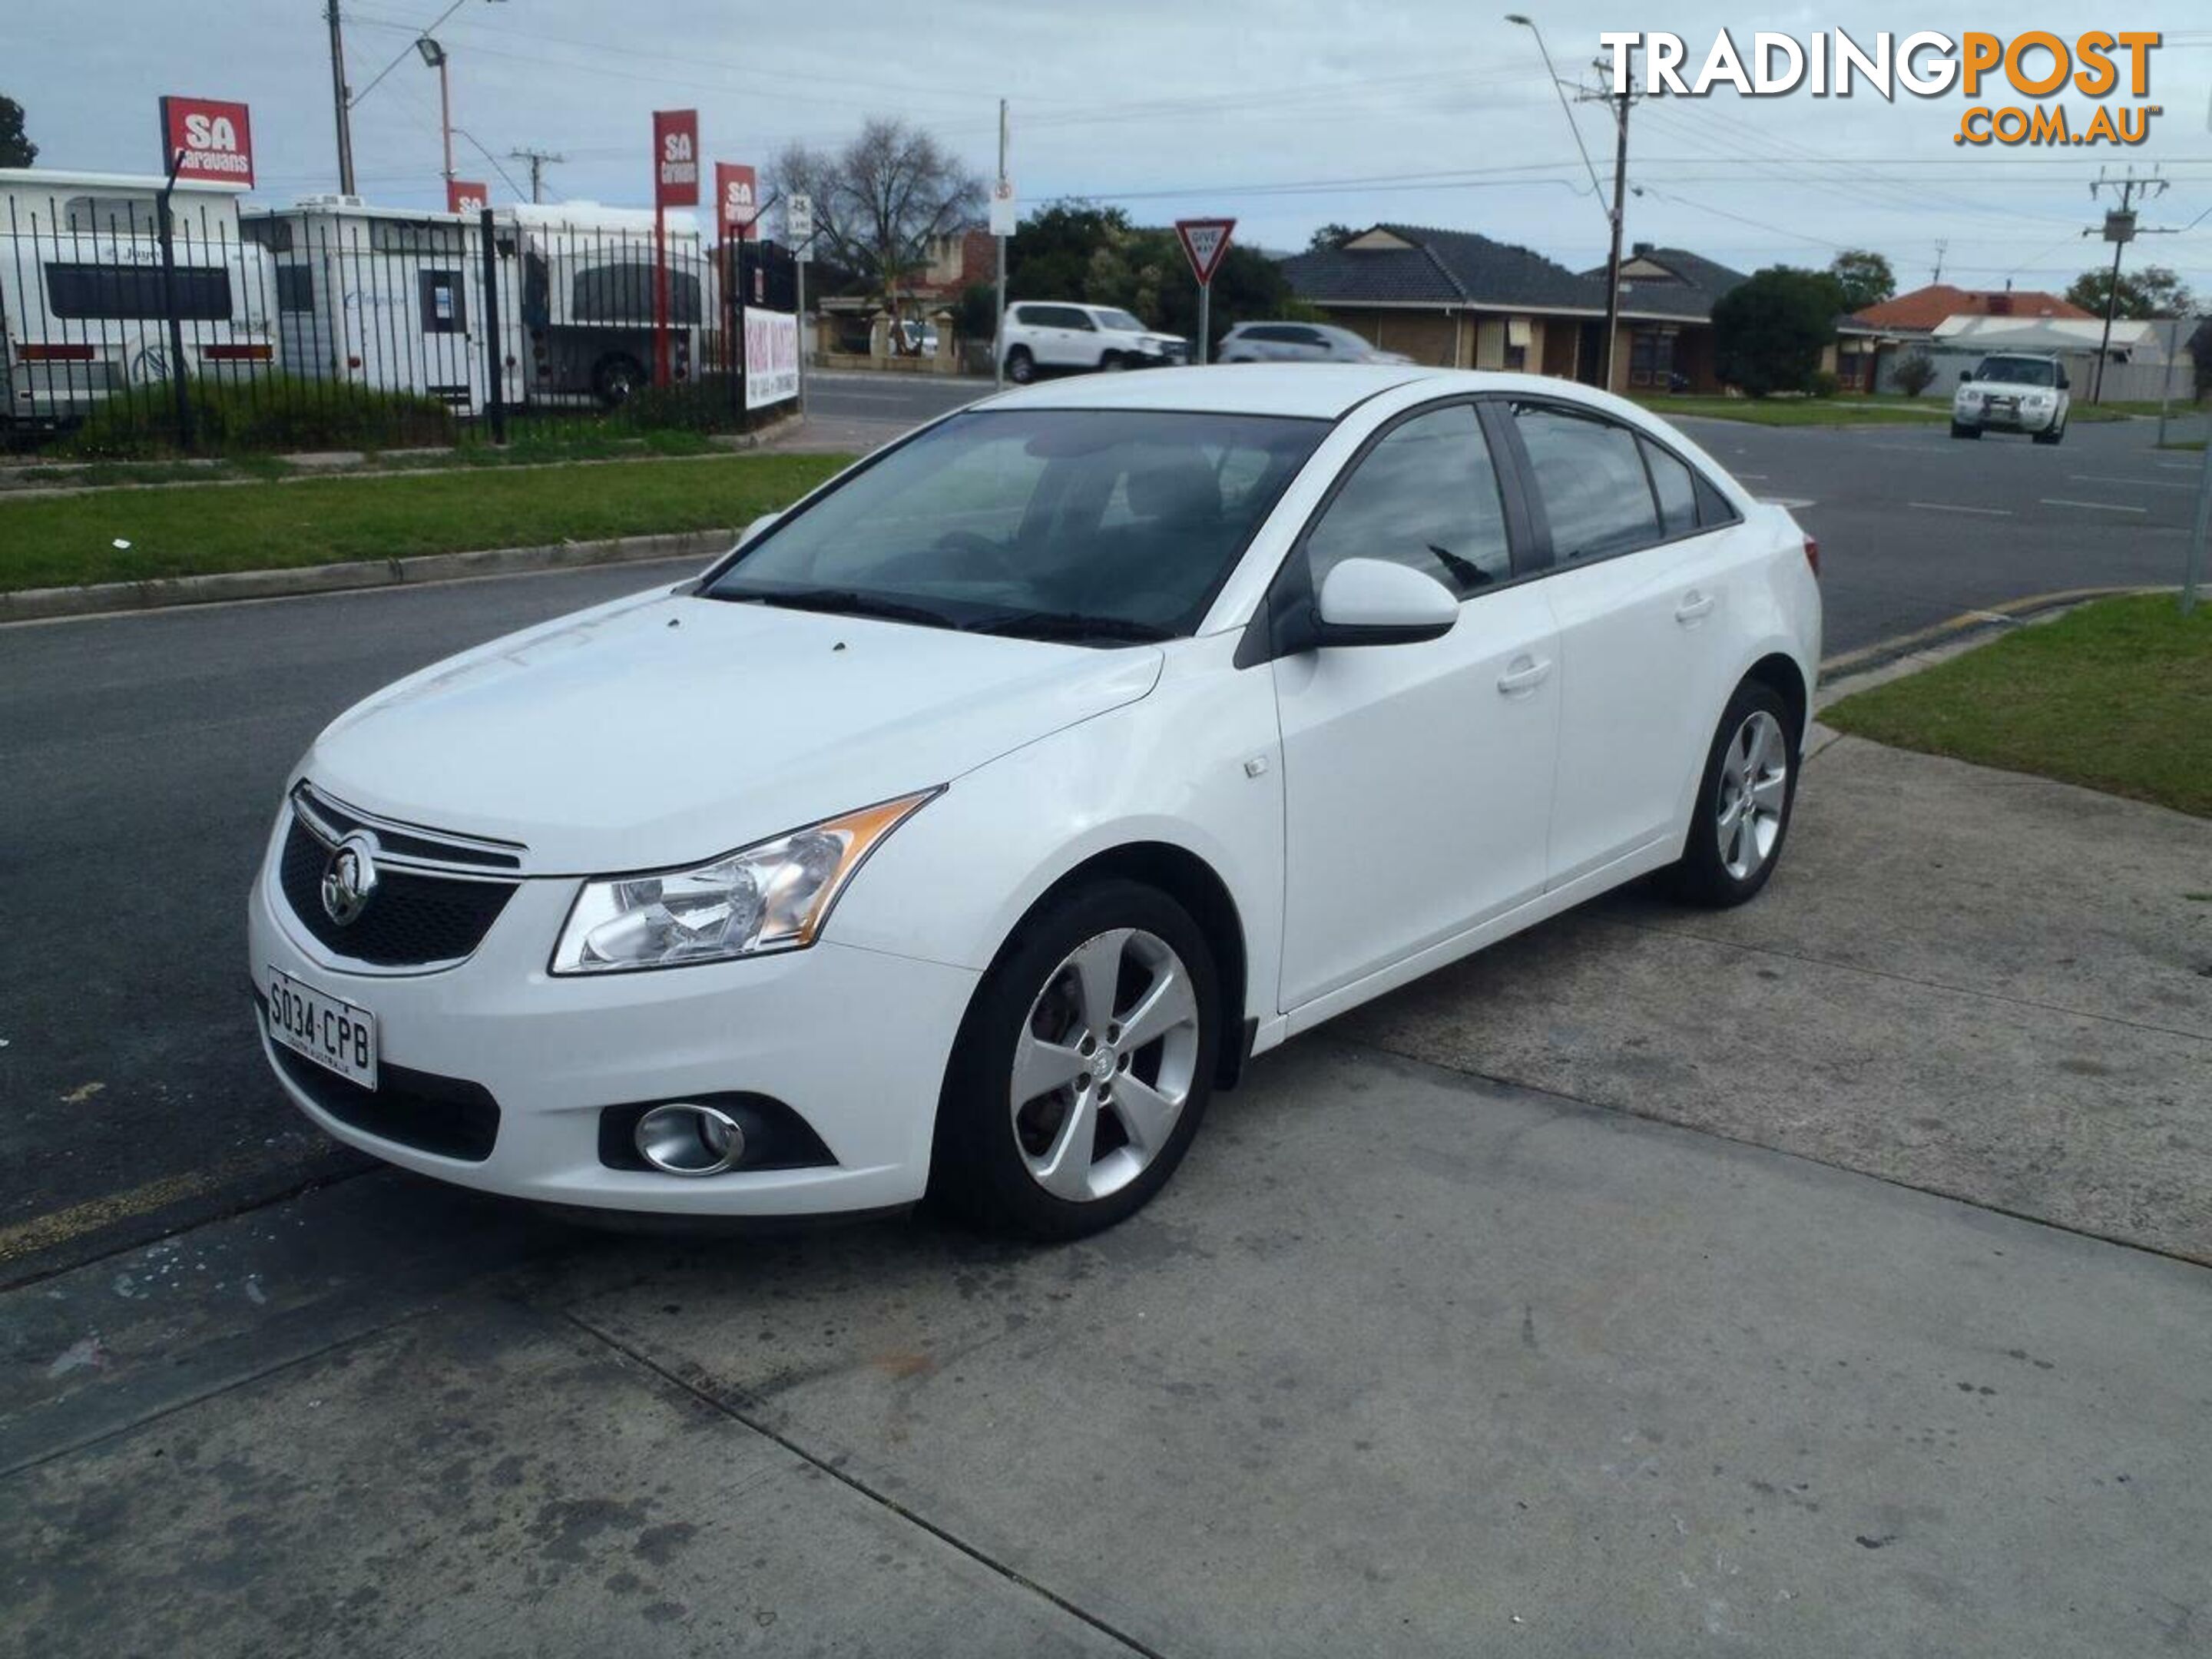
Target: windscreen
x=2019, y=371
x=1066, y=524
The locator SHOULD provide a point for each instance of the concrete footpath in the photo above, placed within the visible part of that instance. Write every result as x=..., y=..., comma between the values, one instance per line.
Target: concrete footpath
x=1410, y=1359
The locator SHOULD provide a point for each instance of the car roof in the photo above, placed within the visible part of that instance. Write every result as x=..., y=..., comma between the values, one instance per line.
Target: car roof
x=1314, y=391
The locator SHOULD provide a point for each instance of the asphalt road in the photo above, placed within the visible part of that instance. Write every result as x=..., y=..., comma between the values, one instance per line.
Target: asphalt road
x=144, y=756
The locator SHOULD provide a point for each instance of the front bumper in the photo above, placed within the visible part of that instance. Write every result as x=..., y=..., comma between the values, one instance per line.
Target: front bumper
x=2019, y=418
x=854, y=1040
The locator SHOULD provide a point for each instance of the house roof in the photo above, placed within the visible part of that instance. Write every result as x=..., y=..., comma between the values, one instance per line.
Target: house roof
x=1920, y=311
x=1418, y=264
x=1669, y=281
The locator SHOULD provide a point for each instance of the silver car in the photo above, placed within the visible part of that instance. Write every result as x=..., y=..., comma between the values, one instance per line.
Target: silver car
x=1300, y=342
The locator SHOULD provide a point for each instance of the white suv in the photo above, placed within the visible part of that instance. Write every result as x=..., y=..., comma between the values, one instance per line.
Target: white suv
x=1040, y=336
x=2019, y=391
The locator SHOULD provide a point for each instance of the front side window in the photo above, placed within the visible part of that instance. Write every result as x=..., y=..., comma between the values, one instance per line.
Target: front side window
x=1120, y=321
x=1591, y=481
x=1426, y=496
x=1091, y=525
x=133, y=292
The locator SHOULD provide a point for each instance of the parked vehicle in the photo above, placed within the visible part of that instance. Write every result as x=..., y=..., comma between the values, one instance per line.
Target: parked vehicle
x=2017, y=392
x=389, y=299
x=1040, y=337
x=587, y=299
x=1301, y=342
x=83, y=315
x=969, y=825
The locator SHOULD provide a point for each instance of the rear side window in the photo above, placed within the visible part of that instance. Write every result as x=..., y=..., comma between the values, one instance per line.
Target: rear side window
x=134, y=291
x=1426, y=496
x=1591, y=481
x=1676, y=488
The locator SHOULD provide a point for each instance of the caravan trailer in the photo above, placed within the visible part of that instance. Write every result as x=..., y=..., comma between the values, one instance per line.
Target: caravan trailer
x=587, y=299
x=83, y=313
x=389, y=299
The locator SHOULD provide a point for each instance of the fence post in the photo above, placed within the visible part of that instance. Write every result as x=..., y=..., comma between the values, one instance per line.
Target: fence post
x=167, y=227
x=495, y=360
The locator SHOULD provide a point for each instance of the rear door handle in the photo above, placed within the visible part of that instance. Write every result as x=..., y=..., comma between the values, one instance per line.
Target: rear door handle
x=1695, y=608
x=1524, y=676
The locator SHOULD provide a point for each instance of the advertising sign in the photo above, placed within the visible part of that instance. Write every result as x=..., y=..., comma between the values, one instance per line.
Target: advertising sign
x=1204, y=242
x=466, y=196
x=737, y=200
x=215, y=137
x=771, y=357
x=676, y=158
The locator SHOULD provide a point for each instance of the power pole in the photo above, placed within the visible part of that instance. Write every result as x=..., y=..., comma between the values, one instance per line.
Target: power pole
x=539, y=160
x=2119, y=230
x=1942, y=248
x=340, y=100
x=1621, y=99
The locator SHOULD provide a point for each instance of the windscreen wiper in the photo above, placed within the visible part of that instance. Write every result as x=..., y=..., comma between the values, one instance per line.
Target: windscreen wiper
x=1060, y=625
x=839, y=601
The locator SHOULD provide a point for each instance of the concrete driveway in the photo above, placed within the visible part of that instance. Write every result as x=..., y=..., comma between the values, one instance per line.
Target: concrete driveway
x=1408, y=1359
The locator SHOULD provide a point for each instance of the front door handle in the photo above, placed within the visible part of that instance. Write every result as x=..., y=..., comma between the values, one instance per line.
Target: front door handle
x=1695, y=608
x=1524, y=676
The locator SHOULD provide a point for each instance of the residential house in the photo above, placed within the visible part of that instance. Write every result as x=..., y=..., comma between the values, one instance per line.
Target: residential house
x=1454, y=298
x=1870, y=344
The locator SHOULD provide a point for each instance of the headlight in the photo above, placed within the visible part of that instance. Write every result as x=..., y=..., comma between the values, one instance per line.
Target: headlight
x=1968, y=395
x=771, y=896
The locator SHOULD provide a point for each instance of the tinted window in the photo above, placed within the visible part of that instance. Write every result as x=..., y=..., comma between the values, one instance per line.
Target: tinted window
x=1009, y=520
x=444, y=310
x=134, y=291
x=1426, y=496
x=1676, y=489
x=1262, y=331
x=1591, y=481
x=623, y=293
x=2018, y=371
x=1069, y=317
x=295, y=288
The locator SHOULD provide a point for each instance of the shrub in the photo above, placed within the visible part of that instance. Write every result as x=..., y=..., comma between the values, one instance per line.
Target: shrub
x=1825, y=384
x=1768, y=331
x=1915, y=374
x=265, y=412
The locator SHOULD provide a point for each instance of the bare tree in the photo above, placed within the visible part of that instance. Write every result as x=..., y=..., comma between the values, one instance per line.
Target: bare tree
x=880, y=201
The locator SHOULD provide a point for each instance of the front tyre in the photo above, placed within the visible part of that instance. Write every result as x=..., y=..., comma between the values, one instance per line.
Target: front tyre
x=2055, y=435
x=1959, y=431
x=1083, y=1068
x=1744, y=801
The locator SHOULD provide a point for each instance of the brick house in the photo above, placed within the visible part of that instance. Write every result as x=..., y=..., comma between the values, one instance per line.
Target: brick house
x=1870, y=344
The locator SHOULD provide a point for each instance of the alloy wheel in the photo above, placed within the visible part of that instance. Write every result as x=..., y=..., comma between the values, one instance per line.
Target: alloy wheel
x=1104, y=1064
x=1754, y=786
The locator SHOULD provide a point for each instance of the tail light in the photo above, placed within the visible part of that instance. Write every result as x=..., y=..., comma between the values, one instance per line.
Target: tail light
x=1812, y=555
x=55, y=354
x=247, y=353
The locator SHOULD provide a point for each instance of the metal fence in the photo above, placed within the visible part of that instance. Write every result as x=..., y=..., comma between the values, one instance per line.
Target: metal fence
x=335, y=324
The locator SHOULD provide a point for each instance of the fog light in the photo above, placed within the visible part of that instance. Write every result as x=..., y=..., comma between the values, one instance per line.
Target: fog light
x=690, y=1140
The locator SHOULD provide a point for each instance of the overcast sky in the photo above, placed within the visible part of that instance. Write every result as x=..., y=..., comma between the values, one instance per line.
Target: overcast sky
x=1284, y=113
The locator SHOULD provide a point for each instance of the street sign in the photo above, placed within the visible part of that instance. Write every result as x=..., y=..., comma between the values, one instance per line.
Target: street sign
x=466, y=196
x=736, y=198
x=798, y=223
x=215, y=137
x=1006, y=214
x=675, y=158
x=1204, y=242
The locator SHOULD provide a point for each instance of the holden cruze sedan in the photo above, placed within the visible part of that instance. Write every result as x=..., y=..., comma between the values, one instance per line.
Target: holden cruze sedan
x=966, y=827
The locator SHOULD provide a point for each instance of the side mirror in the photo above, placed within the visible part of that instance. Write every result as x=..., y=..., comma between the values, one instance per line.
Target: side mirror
x=1965, y=375
x=2064, y=385
x=1374, y=602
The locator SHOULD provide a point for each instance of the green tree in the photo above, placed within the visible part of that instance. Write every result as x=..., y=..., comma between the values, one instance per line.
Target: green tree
x=16, y=149
x=1864, y=275
x=1057, y=252
x=1328, y=236
x=1768, y=331
x=1915, y=374
x=1078, y=251
x=2153, y=291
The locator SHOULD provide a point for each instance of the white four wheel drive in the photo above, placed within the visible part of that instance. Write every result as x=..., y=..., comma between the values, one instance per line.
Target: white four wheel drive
x=2019, y=391
x=1041, y=338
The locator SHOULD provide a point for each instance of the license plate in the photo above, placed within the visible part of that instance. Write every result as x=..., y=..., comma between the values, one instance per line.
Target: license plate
x=335, y=1035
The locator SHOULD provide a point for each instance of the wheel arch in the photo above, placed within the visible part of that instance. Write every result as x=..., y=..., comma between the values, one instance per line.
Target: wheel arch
x=1780, y=672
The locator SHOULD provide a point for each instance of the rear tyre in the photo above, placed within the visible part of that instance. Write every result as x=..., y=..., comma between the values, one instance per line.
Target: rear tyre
x=1744, y=801
x=1958, y=431
x=1021, y=367
x=1083, y=1068
x=1113, y=363
x=616, y=378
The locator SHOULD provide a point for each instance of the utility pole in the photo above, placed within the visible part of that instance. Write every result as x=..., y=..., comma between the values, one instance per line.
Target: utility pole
x=340, y=100
x=539, y=160
x=1621, y=98
x=2119, y=230
x=1942, y=248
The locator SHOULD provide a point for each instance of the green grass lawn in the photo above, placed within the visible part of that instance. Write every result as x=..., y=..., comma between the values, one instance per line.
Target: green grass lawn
x=1803, y=411
x=2116, y=696
x=54, y=541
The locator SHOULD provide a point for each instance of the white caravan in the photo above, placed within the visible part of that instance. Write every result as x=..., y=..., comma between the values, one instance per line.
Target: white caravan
x=390, y=299
x=83, y=316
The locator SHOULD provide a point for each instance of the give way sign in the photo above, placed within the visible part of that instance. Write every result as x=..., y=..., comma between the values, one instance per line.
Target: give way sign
x=1204, y=242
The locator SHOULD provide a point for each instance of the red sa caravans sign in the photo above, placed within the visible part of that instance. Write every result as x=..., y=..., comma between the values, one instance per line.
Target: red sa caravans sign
x=737, y=199
x=216, y=138
x=676, y=158
x=466, y=196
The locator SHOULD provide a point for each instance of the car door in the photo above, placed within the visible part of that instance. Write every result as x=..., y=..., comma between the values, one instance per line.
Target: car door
x=1417, y=779
x=1640, y=552
x=1305, y=345
x=1075, y=344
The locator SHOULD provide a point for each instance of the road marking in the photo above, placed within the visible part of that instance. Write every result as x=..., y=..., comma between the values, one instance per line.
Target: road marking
x=1952, y=507
x=2180, y=466
x=2140, y=483
x=1761, y=477
x=1788, y=503
x=2097, y=507
x=60, y=1226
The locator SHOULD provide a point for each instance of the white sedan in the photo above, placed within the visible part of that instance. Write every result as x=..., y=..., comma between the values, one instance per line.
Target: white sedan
x=972, y=822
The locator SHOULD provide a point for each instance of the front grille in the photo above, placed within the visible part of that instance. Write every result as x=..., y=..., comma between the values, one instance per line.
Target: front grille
x=412, y=920
x=449, y=1115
